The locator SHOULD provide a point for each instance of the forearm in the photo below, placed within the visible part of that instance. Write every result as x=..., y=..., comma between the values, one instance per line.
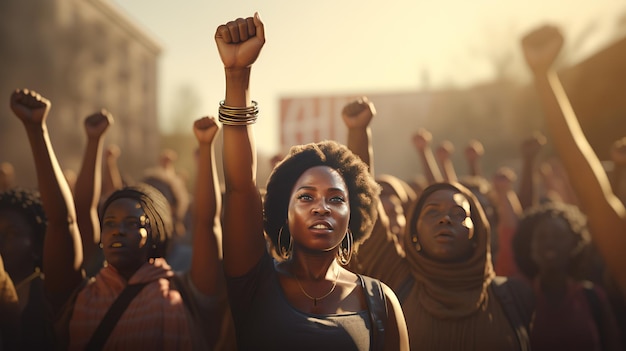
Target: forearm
x=359, y=142
x=239, y=149
x=55, y=191
x=605, y=213
x=526, y=193
x=474, y=168
x=111, y=177
x=87, y=195
x=430, y=167
x=509, y=209
x=62, y=255
x=574, y=150
x=206, y=224
x=243, y=215
x=449, y=174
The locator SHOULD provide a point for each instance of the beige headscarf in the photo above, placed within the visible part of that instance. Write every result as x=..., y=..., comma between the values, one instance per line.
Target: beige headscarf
x=448, y=306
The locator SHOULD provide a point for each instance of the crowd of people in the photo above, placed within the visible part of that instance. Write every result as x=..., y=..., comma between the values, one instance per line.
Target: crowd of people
x=326, y=254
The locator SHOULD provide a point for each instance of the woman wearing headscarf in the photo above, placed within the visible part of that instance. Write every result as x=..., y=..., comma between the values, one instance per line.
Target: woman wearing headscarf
x=444, y=278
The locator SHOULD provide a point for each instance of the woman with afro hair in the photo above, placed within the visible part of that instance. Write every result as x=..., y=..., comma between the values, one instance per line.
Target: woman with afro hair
x=22, y=230
x=552, y=249
x=320, y=202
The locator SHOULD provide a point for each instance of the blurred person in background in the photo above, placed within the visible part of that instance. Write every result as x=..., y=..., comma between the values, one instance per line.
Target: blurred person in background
x=552, y=246
x=605, y=213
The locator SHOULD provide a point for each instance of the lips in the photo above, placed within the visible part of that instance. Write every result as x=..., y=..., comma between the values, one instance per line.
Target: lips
x=321, y=225
x=444, y=237
x=444, y=233
x=116, y=245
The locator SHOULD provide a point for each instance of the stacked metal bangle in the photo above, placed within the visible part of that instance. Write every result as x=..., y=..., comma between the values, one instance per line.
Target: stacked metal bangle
x=238, y=116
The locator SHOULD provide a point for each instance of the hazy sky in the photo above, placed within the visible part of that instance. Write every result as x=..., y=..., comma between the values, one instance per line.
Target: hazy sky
x=350, y=47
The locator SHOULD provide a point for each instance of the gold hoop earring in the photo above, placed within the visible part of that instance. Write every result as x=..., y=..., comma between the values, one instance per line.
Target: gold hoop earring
x=416, y=243
x=284, y=250
x=345, y=253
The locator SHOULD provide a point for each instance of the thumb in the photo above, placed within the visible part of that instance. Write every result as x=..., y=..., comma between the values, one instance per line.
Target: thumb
x=260, y=27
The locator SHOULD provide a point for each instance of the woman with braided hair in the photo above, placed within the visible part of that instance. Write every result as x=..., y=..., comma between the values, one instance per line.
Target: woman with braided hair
x=135, y=301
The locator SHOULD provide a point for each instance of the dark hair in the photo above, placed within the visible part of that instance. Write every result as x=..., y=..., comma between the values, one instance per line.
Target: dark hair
x=157, y=210
x=174, y=190
x=28, y=203
x=576, y=222
x=362, y=189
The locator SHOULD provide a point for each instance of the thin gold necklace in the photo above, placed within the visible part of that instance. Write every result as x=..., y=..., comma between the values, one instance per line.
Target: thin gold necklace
x=315, y=299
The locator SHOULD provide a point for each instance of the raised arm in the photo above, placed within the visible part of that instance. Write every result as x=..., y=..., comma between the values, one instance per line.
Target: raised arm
x=111, y=176
x=239, y=43
x=618, y=156
x=509, y=207
x=531, y=147
x=421, y=140
x=357, y=116
x=206, y=211
x=89, y=184
x=62, y=252
x=473, y=152
x=443, y=153
x=509, y=212
x=605, y=212
x=381, y=245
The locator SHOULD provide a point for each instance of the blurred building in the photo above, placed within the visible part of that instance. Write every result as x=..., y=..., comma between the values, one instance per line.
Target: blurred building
x=501, y=114
x=597, y=89
x=83, y=55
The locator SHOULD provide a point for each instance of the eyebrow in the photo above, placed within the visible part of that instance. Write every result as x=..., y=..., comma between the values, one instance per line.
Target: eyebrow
x=309, y=187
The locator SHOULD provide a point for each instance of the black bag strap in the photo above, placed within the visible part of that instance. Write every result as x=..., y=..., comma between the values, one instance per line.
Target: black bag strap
x=377, y=306
x=108, y=322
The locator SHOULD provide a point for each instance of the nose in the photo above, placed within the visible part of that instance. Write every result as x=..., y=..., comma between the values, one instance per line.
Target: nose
x=321, y=208
x=114, y=229
x=445, y=219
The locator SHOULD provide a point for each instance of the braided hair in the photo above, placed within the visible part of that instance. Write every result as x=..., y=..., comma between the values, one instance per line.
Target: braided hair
x=157, y=210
